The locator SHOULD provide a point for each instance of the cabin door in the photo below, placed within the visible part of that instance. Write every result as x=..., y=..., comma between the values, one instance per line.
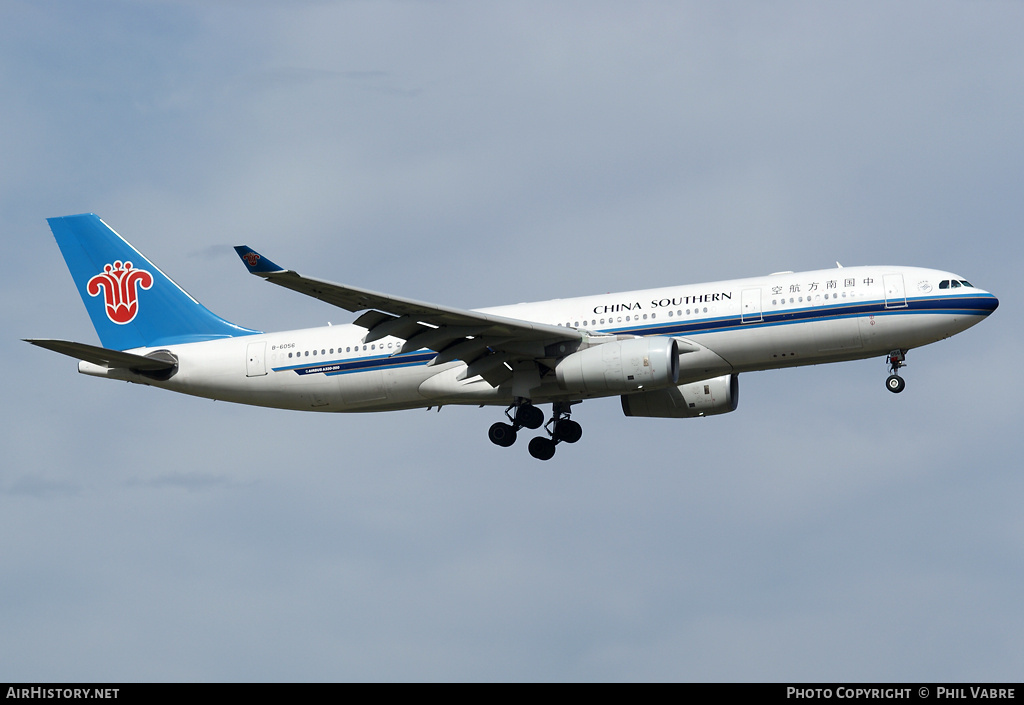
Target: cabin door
x=750, y=300
x=256, y=360
x=895, y=294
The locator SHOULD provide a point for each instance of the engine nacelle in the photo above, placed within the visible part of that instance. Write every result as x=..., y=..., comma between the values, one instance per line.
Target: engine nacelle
x=620, y=366
x=708, y=397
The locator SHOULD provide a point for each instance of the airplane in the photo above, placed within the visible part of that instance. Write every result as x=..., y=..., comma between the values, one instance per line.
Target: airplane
x=670, y=352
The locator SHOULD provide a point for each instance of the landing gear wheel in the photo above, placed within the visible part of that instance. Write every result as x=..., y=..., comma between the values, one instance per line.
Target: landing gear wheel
x=501, y=434
x=568, y=431
x=896, y=359
x=542, y=448
x=529, y=416
x=895, y=384
x=523, y=414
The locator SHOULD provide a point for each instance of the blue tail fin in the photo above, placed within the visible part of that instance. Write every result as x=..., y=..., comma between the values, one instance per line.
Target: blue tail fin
x=131, y=302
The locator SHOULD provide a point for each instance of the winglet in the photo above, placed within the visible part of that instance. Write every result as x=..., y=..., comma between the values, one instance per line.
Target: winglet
x=255, y=262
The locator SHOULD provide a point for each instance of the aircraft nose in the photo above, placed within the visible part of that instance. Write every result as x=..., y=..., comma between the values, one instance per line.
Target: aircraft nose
x=990, y=303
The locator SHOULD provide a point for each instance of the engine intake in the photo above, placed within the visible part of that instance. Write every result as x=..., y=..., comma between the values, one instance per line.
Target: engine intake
x=708, y=397
x=620, y=366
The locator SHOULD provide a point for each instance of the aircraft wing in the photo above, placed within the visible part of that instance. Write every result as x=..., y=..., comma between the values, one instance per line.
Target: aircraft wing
x=490, y=345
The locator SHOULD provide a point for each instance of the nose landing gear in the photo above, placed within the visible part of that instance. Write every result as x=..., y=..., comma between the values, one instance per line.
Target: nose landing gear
x=894, y=383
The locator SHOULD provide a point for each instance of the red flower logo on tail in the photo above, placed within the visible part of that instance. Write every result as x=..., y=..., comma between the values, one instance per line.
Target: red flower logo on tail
x=120, y=285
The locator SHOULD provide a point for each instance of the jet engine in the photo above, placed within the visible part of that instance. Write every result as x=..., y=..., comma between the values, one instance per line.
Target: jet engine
x=620, y=366
x=718, y=395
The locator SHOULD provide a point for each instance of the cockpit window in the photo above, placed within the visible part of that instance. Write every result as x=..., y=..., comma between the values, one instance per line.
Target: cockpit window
x=966, y=283
x=954, y=284
x=944, y=284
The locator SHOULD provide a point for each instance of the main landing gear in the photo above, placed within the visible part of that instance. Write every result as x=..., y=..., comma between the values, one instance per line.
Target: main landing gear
x=560, y=428
x=526, y=416
x=894, y=383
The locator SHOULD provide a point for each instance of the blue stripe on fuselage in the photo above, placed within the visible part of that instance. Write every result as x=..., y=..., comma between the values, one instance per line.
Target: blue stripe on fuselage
x=973, y=305
x=978, y=305
x=360, y=364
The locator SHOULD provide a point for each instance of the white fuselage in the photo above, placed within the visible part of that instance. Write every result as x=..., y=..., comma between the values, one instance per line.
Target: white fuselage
x=735, y=326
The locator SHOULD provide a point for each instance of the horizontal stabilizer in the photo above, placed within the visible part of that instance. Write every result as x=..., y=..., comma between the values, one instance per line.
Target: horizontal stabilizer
x=105, y=357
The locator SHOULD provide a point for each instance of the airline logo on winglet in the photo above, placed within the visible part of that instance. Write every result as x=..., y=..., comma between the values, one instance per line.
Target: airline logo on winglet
x=120, y=284
x=255, y=262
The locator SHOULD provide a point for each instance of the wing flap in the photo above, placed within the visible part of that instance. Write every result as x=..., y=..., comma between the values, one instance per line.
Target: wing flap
x=468, y=350
x=438, y=338
x=484, y=365
x=372, y=319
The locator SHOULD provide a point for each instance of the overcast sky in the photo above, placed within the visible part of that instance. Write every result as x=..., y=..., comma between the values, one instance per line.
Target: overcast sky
x=476, y=154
